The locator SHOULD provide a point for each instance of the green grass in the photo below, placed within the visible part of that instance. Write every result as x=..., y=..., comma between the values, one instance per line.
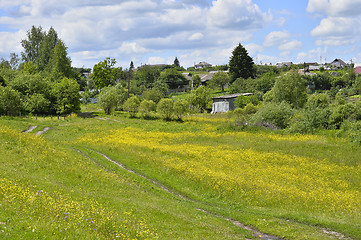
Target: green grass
x=123, y=202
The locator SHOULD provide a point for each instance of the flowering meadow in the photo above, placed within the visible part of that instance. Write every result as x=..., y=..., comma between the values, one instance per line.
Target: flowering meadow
x=29, y=211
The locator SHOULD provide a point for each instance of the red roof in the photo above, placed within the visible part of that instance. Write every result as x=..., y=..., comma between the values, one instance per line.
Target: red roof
x=357, y=70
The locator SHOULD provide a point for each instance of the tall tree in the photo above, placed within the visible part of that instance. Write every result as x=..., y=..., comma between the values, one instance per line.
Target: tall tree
x=241, y=64
x=32, y=44
x=60, y=63
x=176, y=62
x=47, y=48
x=104, y=73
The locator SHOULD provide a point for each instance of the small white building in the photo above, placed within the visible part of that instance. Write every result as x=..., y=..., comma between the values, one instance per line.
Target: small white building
x=222, y=104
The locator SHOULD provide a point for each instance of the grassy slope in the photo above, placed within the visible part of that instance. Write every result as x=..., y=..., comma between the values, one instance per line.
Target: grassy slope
x=166, y=216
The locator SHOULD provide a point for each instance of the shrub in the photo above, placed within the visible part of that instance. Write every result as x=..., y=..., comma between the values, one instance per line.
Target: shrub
x=132, y=105
x=108, y=99
x=242, y=100
x=165, y=108
x=276, y=114
x=146, y=107
x=180, y=107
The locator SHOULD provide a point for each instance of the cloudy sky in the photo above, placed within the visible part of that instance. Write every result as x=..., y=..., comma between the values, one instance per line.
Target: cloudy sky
x=157, y=31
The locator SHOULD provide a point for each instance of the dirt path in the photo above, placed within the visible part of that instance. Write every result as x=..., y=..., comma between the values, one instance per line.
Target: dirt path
x=43, y=131
x=31, y=128
x=255, y=232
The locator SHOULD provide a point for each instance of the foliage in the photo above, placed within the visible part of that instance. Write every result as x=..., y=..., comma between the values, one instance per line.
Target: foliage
x=131, y=105
x=241, y=64
x=176, y=62
x=67, y=96
x=165, y=108
x=173, y=78
x=146, y=107
x=108, y=98
x=60, y=63
x=10, y=101
x=153, y=94
x=318, y=101
x=291, y=89
x=200, y=97
x=146, y=76
x=37, y=103
x=180, y=107
x=196, y=79
x=277, y=114
x=242, y=101
x=220, y=79
x=104, y=73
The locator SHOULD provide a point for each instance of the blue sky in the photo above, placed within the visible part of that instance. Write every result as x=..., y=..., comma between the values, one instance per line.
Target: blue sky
x=157, y=31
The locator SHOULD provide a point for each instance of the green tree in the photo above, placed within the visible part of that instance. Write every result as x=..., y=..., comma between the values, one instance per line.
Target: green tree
x=242, y=101
x=220, y=79
x=60, y=63
x=37, y=103
x=32, y=44
x=161, y=87
x=131, y=105
x=176, y=62
x=291, y=89
x=146, y=107
x=196, y=79
x=200, y=97
x=180, y=107
x=165, y=108
x=108, y=99
x=67, y=96
x=153, y=94
x=173, y=78
x=10, y=101
x=145, y=76
x=46, y=50
x=104, y=73
x=241, y=64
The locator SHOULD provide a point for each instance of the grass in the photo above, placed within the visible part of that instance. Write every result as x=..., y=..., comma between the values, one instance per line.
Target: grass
x=295, y=187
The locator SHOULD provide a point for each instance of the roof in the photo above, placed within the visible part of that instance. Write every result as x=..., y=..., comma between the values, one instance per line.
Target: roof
x=357, y=70
x=188, y=76
x=338, y=61
x=235, y=95
x=209, y=76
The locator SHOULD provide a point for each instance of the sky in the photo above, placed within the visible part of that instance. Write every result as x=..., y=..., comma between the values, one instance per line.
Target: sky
x=157, y=31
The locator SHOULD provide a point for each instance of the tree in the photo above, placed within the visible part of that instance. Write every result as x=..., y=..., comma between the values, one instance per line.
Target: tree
x=67, y=96
x=46, y=49
x=152, y=94
x=108, y=98
x=37, y=103
x=196, y=79
x=176, y=62
x=289, y=88
x=132, y=105
x=104, y=73
x=32, y=44
x=220, y=79
x=165, y=108
x=146, y=107
x=173, y=78
x=200, y=97
x=180, y=108
x=60, y=63
x=10, y=101
x=241, y=64
x=146, y=76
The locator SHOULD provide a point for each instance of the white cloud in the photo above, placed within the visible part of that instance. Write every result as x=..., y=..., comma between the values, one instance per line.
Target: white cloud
x=236, y=14
x=335, y=8
x=156, y=60
x=95, y=29
x=276, y=38
x=290, y=46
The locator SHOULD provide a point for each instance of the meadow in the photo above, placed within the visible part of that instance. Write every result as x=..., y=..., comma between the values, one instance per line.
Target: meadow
x=187, y=180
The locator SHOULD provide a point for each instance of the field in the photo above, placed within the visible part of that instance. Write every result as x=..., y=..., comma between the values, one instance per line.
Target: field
x=112, y=177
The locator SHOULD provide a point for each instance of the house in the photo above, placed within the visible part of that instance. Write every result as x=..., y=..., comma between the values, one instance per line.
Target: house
x=284, y=64
x=338, y=63
x=222, y=104
x=202, y=65
x=188, y=77
x=206, y=77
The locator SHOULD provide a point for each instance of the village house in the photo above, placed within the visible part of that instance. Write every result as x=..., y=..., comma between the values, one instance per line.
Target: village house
x=284, y=64
x=225, y=103
x=338, y=64
x=202, y=65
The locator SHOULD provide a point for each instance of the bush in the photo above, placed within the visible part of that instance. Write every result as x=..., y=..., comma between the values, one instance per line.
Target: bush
x=276, y=114
x=152, y=94
x=352, y=130
x=242, y=100
x=180, y=107
x=10, y=101
x=146, y=107
x=132, y=105
x=165, y=108
x=309, y=120
x=108, y=99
